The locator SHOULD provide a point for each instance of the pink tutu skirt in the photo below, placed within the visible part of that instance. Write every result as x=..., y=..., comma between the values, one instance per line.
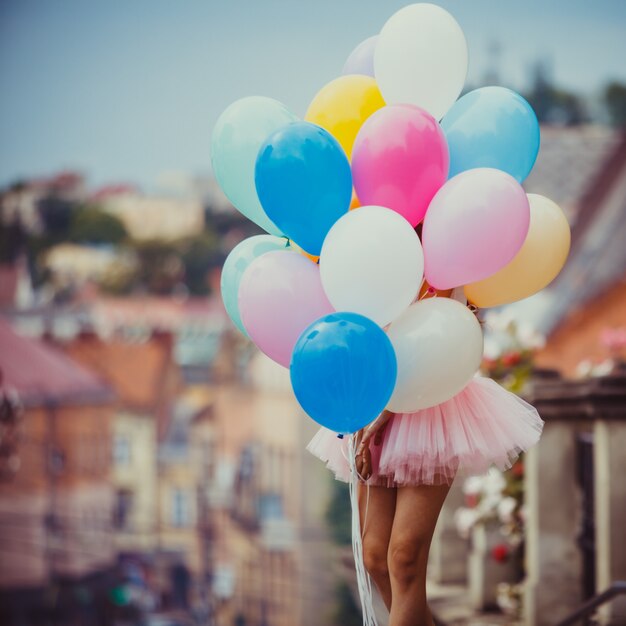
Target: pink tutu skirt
x=483, y=425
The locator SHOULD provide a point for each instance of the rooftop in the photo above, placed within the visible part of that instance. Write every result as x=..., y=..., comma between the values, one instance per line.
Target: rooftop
x=583, y=169
x=42, y=374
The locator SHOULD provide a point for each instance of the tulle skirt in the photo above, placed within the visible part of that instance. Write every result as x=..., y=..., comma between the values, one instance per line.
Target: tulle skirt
x=483, y=425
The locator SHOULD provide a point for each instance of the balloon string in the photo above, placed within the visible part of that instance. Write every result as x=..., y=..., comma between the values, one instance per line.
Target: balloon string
x=363, y=579
x=367, y=497
x=419, y=290
x=429, y=292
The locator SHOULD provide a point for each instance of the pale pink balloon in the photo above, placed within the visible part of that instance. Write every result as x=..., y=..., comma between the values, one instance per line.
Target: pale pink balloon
x=279, y=296
x=474, y=226
x=400, y=160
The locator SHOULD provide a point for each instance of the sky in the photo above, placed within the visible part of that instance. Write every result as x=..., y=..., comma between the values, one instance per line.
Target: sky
x=129, y=90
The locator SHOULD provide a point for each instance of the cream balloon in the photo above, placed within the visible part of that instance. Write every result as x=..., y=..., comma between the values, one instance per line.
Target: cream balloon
x=372, y=263
x=535, y=266
x=439, y=347
x=421, y=58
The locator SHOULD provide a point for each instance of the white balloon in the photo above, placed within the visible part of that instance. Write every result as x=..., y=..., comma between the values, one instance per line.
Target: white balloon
x=421, y=58
x=372, y=263
x=439, y=346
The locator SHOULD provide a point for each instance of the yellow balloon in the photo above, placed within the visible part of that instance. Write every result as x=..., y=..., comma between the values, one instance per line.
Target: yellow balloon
x=355, y=203
x=535, y=266
x=343, y=105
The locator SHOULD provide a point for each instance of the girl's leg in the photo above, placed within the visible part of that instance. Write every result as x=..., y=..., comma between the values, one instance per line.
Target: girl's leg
x=376, y=531
x=416, y=512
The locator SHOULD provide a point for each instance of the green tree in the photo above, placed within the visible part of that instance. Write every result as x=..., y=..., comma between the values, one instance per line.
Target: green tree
x=199, y=255
x=345, y=612
x=120, y=278
x=339, y=514
x=12, y=238
x=56, y=216
x=163, y=265
x=160, y=267
x=553, y=104
x=92, y=225
x=615, y=101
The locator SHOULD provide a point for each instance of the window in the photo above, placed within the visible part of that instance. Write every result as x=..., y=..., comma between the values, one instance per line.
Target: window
x=121, y=450
x=271, y=506
x=181, y=514
x=123, y=508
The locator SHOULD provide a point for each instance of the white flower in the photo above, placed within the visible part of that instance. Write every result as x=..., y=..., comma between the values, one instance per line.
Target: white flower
x=523, y=513
x=584, y=369
x=499, y=321
x=473, y=485
x=506, y=507
x=492, y=348
x=529, y=337
x=465, y=519
x=604, y=368
x=488, y=504
x=494, y=482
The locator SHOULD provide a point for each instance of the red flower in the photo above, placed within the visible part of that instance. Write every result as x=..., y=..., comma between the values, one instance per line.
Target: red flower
x=518, y=469
x=471, y=500
x=511, y=358
x=500, y=553
x=489, y=364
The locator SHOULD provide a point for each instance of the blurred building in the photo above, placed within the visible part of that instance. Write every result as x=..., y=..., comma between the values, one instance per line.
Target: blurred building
x=16, y=289
x=141, y=370
x=73, y=264
x=588, y=298
x=273, y=560
x=575, y=544
x=152, y=217
x=19, y=204
x=56, y=499
x=186, y=460
x=157, y=354
x=196, y=326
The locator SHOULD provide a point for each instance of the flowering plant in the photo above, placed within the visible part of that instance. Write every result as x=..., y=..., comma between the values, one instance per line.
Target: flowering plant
x=613, y=339
x=510, y=347
x=498, y=497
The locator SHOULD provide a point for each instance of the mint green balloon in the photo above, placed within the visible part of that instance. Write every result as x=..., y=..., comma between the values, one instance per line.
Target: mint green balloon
x=239, y=133
x=237, y=263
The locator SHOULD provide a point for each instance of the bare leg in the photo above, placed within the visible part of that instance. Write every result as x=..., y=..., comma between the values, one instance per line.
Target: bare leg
x=377, y=526
x=416, y=513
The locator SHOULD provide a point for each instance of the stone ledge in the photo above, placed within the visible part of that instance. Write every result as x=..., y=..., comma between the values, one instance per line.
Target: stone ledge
x=450, y=607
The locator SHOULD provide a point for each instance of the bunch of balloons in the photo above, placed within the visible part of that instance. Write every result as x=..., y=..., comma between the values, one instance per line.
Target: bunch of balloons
x=391, y=189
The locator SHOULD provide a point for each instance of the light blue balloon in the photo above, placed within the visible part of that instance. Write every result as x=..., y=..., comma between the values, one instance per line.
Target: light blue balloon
x=304, y=182
x=239, y=133
x=492, y=127
x=343, y=371
x=237, y=263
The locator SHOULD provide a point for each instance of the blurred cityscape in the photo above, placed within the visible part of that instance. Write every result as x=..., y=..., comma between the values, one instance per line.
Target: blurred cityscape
x=152, y=461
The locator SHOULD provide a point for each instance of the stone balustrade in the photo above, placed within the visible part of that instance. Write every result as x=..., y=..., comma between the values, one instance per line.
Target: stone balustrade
x=576, y=524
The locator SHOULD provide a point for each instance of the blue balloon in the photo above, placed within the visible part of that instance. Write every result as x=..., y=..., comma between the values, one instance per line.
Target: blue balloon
x=492, y=127
x=237, y=263
x=304, y=182
x=343, y=371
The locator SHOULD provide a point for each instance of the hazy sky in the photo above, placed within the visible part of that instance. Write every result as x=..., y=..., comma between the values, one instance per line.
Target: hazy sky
x=125, y=90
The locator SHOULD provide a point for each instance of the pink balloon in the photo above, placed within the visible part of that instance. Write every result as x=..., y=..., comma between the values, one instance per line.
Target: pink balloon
x=474, y=226
x=399, y=160
x=279, y=296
